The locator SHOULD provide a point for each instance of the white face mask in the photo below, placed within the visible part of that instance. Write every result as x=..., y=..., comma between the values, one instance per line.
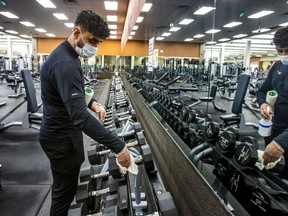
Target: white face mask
x=284, y=59
x=87, y=50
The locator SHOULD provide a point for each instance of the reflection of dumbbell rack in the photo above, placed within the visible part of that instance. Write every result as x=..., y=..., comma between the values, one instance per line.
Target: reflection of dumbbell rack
x=260, y=192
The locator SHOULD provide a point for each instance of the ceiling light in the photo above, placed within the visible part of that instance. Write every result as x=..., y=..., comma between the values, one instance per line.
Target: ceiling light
x=130, y=37
x=263, y=36
x=69, y=25
x=50, y=35
x=27, y=24
x=132, y=33
x=139, y=19
x=24, y=36
x=9, y=15
x=174, y=29
x=199, y=36
x=1, y=27
x=160, y=38
x=260, y=14
x=189, y=39
x=212, y=31
x=111, y=5
x=40, y=30
x=146, y=7
x=211, y=42
x=260, y=30
x=113, y=32
x=203, y=10
x=166, y=34
x=112, y=18
x=239, y=35
x=112, y=26
x=60, y=16
x=284, y=24
x=186, y=21
x=11, y=31
x=135, y=28
x=46, y=3
x=113, y=36
x=232, y=24
x=224, y=39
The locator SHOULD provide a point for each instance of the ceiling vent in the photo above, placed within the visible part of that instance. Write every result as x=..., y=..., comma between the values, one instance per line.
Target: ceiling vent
x=73, y=2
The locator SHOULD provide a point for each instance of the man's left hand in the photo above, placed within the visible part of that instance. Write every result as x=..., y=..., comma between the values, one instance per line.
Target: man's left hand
x=272, y=152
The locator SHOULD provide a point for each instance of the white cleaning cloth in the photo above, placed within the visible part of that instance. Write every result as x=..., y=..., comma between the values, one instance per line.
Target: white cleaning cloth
x=133, y=168
x=260, y=164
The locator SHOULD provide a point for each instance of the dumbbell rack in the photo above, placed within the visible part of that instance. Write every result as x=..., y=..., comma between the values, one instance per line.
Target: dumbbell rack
x=94, y=195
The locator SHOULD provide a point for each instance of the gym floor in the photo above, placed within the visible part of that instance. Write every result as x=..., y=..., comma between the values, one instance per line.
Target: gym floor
x=25, y=172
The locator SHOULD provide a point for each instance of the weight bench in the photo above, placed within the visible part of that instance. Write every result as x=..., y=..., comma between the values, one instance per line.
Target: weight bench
x=237, y=118
x=31, y=119
x=211, y=99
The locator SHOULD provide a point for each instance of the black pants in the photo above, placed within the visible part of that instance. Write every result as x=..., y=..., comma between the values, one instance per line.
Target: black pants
x=65, y=181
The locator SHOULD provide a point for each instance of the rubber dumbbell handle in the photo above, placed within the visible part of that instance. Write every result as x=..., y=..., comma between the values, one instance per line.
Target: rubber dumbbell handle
x=100, y=192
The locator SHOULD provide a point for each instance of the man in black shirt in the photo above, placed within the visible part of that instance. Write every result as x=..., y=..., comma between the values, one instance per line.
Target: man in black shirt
x=277, y=143
x=65, y=113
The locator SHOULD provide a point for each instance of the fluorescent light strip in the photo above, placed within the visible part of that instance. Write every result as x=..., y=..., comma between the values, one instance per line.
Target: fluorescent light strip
x=224, y=39
x=60, y=16
x=189, y=39
x=130, y=37
x=139, y=19
x=135, y=28
x=166, y=34
x=50, y=35
x=146, y=7
x=111, y=5
x=24, y=36
x=260, y=30
x=212, y=31
x=160, y=38
x=132, y=33
x=239, y=35
x=9, y=15
x=199, y=36
x=40, y=30
x=211, y=42
x=174, y=29
x=113, y=36
x=263, y=36
x=11, y=31
x=113, y=32
x=111, y=18
x=1, y=27
x=232, y=24
x=203, y=10
x=260, y=14
x=46, y=3
x=27, y=24
x=112, y=26
x=284, y=24
x=69, y=25
x=186, y=21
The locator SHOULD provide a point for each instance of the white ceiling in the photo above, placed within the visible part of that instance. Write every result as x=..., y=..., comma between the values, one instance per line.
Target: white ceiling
x=158, y=19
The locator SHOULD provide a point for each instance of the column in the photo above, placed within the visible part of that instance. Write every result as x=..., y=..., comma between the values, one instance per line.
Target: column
x=132, y=62
x=221, y=59
x=9, y=52
x=246, y=59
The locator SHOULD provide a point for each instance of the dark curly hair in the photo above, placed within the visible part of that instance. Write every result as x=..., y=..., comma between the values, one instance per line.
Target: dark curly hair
x=281, y=38
x=93, y=23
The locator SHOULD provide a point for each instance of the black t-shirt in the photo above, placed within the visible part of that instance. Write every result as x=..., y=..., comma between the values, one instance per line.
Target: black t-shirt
x=64, y=108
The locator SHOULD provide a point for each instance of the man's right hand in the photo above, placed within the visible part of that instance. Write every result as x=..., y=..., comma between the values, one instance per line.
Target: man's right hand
x=266, y=111
x=123, y=157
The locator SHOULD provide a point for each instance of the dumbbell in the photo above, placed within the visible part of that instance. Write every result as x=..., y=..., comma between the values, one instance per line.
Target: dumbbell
x=211, y=131
x=85, y=192
x=95, y=155
x=116, y=120
x=130, y=111
x=227, y=141
x=246, y=155
x=136, y=128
